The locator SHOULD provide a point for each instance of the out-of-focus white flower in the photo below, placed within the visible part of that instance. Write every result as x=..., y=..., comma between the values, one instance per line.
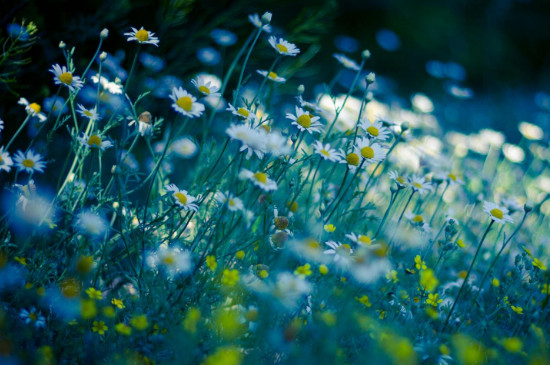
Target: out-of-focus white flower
x=233, y=203
x=257, y=22
x=5, y=160
x=346, y=62
x=259, y=179
x=171, y=260
x=91, y=224
x=184, y=147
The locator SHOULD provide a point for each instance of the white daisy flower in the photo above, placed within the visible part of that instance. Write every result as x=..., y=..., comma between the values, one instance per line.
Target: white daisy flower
x=276, y=144
x=145, y=124
x=375, y=130
x=252, y=140
x=360, y=239
x=233, y=203
x=142, y=36
x=184, y=147
x=351, y=159
x=309, y=106
x=453, y=179
x=91, y=114
x=305, y=121
x=326, y=152
x=243, y=112
x=32, y=109
x=95, y=141
x=346, y=62
x=186, y=103
x=206, y=88
x=172, y=260
x=371, y=151
x=91, y=224
x=419, y=184
x=33, y=316
x=272, y=76
x=283, y=47
x=417, y=220
x=110, y=86
x=62, y=76
x=257, y=22
x=5, y=160
x=259, y=179
x=1, y=125
x=497, y=212
x=512, y=204
x=338, y=250
x=29, y=162
x=182, y=198
x=400, y=180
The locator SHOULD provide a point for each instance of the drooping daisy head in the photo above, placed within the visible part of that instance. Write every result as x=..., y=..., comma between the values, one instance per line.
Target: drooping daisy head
x=5, y=160
x=243, y=112
x=182, y=198
x=91, y=114
x=346, y=62
x=185, y=103
x=142, y=36
x=32, y=109
x=95, y=141
x=144, y=123
x=260, y=179
x=497, y=212
x=272, y=76
x=326, y=152
x=375, y=130
x=257, y=22
x=233, y=203
x=305, y=121
x=400, y=180
x=283, y=47
x=206, y=88
x=370, y=151
x=64, y=77
x=29, y=162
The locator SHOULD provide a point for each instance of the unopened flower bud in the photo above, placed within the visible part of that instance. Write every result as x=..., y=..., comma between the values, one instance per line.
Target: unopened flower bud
x=62, y=45
x=104, y=33
x=405, y=126
x=301, y=89
x=370, y=78
x=528, y=206
x=103, y=56
x=281, y=223
x=266, y=18
x=365, y=54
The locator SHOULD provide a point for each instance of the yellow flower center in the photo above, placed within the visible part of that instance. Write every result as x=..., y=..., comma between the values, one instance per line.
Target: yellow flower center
x=36, y=107
x=364, y=239
x=352, y=159
x=373, y=131
x=418, y=219
x=231, y=203
x=497, y=213
x=261, y=177
x=367, y=152
x=185, y=103
x=325, y=153
x=0, y=159
x=94, y=140
x=181, y=197
x=272, y=75
x=33, y=316
x=88, y=113
x=242, y=111
x=304, y=120
x=203, y=89
x=66, y=78
x=28, y=163
x=142, y=35
x=400, y=179
x=345, y=247
x=168, y=260
x=452, y=177
x=417, y=185
x=282, y=48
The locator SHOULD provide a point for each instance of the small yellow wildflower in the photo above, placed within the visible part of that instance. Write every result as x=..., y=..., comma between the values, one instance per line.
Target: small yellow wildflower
x=99, y=327
x=88, y=309
x=545, y=289
x=109, y=311
x=329, y=228
x=518, y=310
x=191, y=319
x=512, y=344
x=211, y=262
x=118, y=303
x=420, y=265
x=304, y=270
x=224, y=356
x=264, y=273
x=240, y=254
x=428, y=280
x=21, y=260
x=93, y=293
x=139, y=322
x=84, y=264
x=323, y=269
x=495, y=282
x=392, y=275
x=433, y=299
x=230, y=277
x=364, y=300
x=460, y=243
x=123, y=329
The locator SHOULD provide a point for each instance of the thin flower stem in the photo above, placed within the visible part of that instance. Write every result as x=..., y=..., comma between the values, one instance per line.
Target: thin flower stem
x=393, y=198
x=467, y=274
x=17, y=132
x=345, y=191
x=132, y=68
x=239, y=84
x=439, y=203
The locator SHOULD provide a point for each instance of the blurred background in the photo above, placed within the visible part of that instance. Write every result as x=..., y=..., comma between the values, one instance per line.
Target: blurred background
x=480, y=63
